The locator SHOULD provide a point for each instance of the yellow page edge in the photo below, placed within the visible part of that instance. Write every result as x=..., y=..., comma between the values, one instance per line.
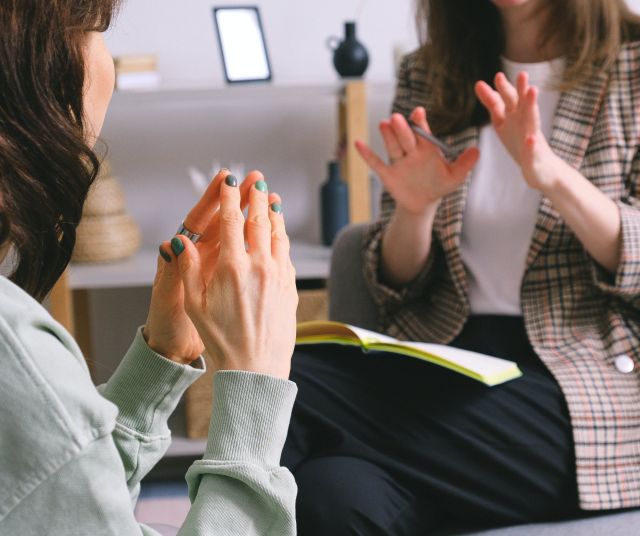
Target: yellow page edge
x=496, y=379
x=490, y=381
x=329, y=339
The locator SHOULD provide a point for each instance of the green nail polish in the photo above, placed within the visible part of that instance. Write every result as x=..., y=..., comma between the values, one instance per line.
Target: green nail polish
x=231, y=181
x=177, y=246
x=262, y=186
x=277, y=208
x=164, y=254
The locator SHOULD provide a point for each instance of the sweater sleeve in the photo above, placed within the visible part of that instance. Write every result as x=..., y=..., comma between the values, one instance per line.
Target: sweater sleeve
x=237, y=489
x=146, y=388
x=75, y=458
x=87, y=495
x=625, y=283
x=386, y=296
x=238, y=486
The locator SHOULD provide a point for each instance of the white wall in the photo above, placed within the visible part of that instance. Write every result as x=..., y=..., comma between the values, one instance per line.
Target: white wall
x=152, y=141
x=182, y=34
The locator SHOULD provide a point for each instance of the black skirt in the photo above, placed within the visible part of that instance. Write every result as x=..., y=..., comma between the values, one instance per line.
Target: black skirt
x=384, y=444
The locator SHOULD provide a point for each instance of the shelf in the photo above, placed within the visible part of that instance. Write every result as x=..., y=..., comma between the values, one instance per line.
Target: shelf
x=243, y=92
x=310, y=260
x=182, y=447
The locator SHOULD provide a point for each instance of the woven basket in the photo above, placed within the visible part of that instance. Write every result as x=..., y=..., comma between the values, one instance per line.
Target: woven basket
x=106, y=232
x=111, y=237
x=105, y=197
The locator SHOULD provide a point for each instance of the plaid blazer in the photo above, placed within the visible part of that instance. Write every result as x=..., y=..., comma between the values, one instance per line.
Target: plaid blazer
x=579, y=318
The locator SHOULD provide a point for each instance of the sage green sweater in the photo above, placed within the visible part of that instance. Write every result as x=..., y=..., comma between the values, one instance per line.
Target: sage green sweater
x=72, y=456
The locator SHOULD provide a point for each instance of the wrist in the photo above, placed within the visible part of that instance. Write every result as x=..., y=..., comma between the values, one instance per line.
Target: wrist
x=545, y=170
x=427, y=214
x=233, y=355
x=552, y=178
x=162, y=349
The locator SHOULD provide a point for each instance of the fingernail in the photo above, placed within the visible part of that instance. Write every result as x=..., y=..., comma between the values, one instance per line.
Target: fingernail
x=277, y=208
x=262, y=186
x=164, y=254
x=177, y=246
x=231, y=181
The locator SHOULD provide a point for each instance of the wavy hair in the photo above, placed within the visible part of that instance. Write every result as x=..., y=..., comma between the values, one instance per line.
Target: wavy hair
x=46, y=166
x=464, y=39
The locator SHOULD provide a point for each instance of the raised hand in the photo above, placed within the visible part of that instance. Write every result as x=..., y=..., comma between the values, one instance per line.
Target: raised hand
x=240, y=290
x=169, y=331
x=515, y=115
x=417, y=175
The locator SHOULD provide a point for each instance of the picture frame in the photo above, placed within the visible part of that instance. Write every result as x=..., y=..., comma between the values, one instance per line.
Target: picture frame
x=243, y=47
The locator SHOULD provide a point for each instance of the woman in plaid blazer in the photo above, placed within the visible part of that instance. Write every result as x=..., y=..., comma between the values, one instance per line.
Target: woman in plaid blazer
x=575, y=333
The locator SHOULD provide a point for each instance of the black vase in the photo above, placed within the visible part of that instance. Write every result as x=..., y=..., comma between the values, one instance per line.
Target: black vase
x=335, y=204
x=350, y=57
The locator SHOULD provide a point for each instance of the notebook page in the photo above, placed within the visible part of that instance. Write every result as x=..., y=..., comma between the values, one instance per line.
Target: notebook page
x=483, y=364
x=369, y=337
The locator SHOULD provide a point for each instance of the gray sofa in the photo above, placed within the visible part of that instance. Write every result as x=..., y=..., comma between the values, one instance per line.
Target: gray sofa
x=349, y=302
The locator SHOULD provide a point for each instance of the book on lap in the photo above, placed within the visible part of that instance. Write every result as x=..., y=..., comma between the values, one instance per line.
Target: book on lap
x=483, y=368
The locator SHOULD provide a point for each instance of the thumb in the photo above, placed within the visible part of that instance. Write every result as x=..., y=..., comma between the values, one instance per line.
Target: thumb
x=189, y=268
x=376, y=163
x=167, y=281
x=419, y=117
x=464, y=164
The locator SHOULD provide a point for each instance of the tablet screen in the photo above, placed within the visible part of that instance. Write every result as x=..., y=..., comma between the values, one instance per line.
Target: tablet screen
x=244, y=52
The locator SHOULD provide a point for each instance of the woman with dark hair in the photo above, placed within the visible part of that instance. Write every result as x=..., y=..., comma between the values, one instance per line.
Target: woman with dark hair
x=72, y=457
x=527, y=247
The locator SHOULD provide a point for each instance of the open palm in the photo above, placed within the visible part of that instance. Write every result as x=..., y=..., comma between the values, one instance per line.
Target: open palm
x=417, y=174
x=515, y=115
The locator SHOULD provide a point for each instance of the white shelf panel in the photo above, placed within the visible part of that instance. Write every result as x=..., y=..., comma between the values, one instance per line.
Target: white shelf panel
x=183, y=446
x=248, y=92
x=310, y=260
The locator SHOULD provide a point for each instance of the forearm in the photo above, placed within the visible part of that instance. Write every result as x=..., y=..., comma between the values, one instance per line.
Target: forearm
x=239, y=487
x=146, y=387
x=591, y=215
x=406, y=245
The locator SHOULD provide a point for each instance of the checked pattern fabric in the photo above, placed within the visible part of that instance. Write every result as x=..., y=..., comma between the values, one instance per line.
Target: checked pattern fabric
x=579, y=318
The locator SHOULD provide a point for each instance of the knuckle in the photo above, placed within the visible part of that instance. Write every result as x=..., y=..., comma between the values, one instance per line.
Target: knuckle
x=235, y=277
x=263, y=270
x=281, y=237
x=231, y=268
x=259, y=222
x=225, y=264
x=279, y=234
x=232, y=216
x=186, y=265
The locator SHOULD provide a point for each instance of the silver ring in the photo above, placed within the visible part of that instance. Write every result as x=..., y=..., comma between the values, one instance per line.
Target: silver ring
x=194, y=237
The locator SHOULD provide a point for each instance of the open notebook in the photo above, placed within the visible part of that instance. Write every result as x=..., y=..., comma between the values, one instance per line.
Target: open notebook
x=486, y=369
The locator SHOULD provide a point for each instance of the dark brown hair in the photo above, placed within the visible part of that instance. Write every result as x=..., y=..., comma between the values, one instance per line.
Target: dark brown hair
x=46, y=166
x=463, y=40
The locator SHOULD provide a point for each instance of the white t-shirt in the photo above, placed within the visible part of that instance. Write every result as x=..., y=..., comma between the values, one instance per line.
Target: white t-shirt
x=501, y=209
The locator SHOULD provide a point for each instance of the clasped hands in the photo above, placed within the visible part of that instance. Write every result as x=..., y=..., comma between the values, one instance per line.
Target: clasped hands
x=418, y=176
x=233, y=293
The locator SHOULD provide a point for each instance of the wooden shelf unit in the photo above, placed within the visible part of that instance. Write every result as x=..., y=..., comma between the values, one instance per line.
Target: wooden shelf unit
x=354, y=125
